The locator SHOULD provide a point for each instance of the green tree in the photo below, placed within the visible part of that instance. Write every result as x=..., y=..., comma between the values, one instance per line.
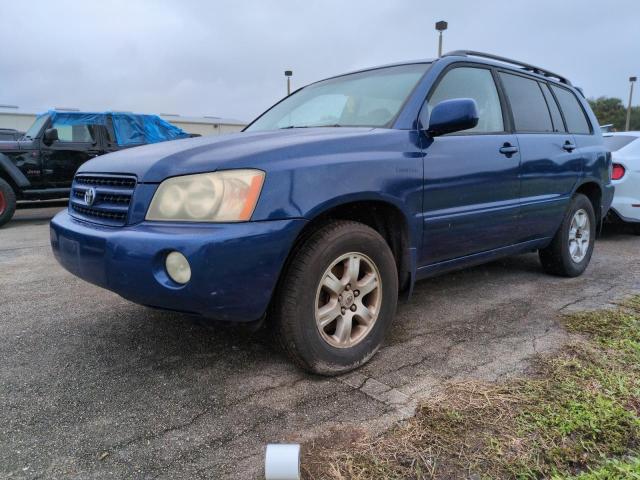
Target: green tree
x=612, y=110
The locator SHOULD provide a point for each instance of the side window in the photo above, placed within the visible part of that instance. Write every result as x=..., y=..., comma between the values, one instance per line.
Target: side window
x=573, y=113
x=556, y=116
x=528, y=105
x=469, y=82
x=74, y=133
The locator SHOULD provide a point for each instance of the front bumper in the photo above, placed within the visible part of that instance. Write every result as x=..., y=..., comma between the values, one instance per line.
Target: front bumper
x=235, y=267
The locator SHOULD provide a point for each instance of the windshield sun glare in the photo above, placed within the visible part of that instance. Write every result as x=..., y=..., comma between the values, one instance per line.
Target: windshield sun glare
x=366, y=99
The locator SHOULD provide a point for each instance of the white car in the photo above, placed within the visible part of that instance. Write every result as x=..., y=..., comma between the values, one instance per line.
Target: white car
x=625, y=150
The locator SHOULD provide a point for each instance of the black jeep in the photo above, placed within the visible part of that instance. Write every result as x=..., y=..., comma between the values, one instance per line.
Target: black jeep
x=41, y=164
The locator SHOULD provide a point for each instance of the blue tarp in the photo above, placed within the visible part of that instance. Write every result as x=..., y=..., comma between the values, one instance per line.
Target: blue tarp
x=129, y=128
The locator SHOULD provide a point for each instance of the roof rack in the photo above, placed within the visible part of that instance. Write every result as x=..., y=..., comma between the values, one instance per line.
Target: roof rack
x=524, y=66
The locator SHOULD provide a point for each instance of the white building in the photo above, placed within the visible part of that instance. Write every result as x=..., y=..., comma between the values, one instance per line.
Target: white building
x=13, y=117
x=206, y=125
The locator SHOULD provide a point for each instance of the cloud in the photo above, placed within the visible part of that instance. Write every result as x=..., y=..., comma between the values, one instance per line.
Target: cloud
x=227, y=58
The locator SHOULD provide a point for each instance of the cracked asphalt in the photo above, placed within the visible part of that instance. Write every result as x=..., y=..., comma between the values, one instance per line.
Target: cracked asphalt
x=92, y=386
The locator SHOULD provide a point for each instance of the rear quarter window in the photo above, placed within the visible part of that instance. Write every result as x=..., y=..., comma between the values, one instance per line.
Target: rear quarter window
x=573, y=112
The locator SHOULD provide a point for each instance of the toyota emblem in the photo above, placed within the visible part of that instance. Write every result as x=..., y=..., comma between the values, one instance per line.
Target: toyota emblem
x=90, y=196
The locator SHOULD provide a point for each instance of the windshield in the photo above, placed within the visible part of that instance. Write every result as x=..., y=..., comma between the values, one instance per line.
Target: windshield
x=367, y=99
x=616, y=142
x=36, y=126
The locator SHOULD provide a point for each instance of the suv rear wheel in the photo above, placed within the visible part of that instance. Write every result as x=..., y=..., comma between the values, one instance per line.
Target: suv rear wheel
x=7, y=202
x=337, y=298
x=570, y=251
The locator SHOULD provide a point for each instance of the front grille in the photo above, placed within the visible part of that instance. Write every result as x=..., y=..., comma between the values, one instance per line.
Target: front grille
x=112, y=197
x=106, y=180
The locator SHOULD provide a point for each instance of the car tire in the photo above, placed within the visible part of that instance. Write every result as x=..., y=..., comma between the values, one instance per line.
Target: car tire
x=635, y=228
x=7, y=202
x=337, y=298
x=569, y=253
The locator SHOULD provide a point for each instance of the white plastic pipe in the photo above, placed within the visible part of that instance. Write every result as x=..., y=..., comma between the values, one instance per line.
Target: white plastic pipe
x=282, y=462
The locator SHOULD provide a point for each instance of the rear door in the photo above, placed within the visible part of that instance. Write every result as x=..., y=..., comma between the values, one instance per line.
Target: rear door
x=471, y=185
x=77, y=143
x=588, y=139
x=551, y=164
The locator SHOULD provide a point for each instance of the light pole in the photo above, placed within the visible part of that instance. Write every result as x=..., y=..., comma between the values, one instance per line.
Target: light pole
x=441, y=26
x=288, y=74
x=632, y=80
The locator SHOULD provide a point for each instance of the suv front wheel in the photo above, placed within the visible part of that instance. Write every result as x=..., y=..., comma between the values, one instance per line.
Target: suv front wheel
x=570, y=251
x=7, y=202
x=337, y=298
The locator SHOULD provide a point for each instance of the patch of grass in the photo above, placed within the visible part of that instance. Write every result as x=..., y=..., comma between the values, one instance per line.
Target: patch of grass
x=611, y=470
x=577, y=417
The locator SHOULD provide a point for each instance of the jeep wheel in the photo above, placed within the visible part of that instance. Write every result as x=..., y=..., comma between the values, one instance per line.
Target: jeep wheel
x=570, y=251
x=337, y=298
x=7, y=202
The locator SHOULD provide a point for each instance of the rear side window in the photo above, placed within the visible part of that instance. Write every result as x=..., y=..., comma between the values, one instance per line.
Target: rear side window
x=529, y=107
x=470, y=82
x=556, y=116
x=573, y=113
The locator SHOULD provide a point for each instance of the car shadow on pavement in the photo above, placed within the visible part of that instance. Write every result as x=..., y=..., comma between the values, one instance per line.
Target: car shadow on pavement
x=178, y=345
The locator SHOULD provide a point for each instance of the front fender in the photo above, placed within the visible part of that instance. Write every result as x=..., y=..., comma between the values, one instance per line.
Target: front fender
x=387, y=168
x=7, y=167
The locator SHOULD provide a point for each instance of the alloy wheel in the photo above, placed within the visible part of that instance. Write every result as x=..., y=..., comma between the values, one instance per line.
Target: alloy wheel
x=579, y=235
x=348, y=300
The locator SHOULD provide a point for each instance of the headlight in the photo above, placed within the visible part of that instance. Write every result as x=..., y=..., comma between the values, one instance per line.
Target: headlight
x=227, y=196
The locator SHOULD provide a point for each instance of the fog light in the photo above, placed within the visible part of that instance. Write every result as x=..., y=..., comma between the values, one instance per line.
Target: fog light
x=178, y=267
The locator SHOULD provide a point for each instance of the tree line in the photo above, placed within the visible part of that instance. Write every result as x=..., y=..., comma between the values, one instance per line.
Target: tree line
x=613, y=110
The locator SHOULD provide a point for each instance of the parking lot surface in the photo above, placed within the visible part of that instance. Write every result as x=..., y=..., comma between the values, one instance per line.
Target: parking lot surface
x=92, y=386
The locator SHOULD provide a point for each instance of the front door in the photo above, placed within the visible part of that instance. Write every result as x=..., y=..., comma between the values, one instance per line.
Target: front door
x=471, y=178
x=77, y=143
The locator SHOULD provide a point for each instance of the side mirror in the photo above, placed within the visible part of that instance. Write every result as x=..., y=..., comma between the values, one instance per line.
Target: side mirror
x=50, y=136
x=453, y=116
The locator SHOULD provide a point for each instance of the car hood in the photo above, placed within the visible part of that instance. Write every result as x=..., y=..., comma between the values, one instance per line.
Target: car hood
x=154, y=163
x=9, y=146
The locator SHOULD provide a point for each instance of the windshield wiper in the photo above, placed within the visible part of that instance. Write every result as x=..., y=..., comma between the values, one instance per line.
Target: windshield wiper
x=335, y=125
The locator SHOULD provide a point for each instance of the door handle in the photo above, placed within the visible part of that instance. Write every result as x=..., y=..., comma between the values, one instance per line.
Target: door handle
x=508, y=149
x=568, y=146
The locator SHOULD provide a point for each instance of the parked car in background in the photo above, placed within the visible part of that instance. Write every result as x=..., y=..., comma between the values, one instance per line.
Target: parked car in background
x=10, y=134
x=625, y=148
x=341, y=196
x=41, y=164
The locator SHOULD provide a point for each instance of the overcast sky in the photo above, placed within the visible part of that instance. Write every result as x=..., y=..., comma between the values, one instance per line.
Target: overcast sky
x=227, y=58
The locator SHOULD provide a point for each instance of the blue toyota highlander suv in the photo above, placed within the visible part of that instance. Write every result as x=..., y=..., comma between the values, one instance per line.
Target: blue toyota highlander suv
x=338, y=198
